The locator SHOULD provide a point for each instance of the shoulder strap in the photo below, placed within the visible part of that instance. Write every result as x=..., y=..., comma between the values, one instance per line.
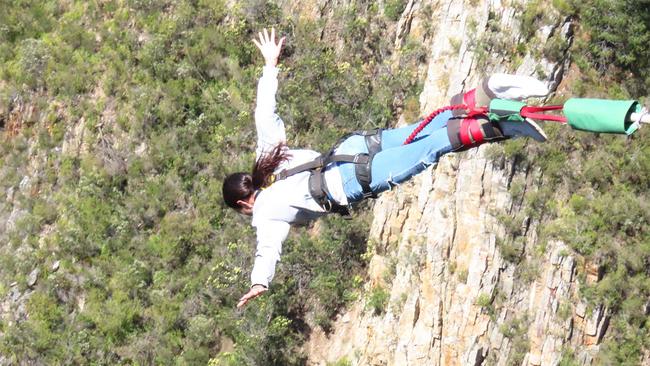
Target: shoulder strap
x=310, y=165
x=320, y=162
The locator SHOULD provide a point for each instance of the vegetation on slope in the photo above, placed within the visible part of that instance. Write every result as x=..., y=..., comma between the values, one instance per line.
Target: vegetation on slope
x=125, y=116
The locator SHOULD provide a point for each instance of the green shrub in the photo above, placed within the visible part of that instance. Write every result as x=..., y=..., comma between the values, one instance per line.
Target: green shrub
x=516, y=330
x=483, y=300
x=33, y=58
x=393, y=9
x=618, y=40
x=378, y=300
x=530, y=18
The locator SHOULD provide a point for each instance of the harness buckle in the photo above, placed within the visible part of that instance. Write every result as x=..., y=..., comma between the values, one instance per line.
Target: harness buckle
x=361, y=159
x=327, y=205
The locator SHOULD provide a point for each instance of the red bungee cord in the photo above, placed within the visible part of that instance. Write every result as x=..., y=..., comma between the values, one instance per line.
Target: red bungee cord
x=429, y=118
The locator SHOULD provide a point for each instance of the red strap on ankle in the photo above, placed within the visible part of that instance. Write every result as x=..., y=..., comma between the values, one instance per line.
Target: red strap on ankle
x=465, y=137
x=470, y=99
x=477, y=133
x=470, y=132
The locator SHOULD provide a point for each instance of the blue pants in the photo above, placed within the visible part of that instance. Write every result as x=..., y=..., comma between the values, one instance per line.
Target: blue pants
x=396, y=162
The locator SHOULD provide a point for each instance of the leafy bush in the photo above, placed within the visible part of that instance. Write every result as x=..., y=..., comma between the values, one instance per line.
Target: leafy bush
x=616, y=44
x=516, y=331
x=393, y=9
x=378, y=300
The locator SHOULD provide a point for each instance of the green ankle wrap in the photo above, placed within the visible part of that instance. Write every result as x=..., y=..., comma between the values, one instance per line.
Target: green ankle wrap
x=505, y=110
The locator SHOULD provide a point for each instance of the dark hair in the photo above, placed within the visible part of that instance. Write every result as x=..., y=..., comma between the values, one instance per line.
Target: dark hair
x=239, y=186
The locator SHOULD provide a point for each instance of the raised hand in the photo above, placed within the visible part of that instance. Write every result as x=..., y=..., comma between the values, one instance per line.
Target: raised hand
x=270, y=50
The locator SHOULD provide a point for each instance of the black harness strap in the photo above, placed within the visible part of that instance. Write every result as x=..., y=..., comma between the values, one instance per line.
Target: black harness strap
x=320, y=162
x=364, y=171
x=319, y=191
x=362, y=165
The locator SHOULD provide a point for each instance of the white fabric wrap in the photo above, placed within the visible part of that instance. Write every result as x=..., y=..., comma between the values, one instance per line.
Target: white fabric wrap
x=516, y=87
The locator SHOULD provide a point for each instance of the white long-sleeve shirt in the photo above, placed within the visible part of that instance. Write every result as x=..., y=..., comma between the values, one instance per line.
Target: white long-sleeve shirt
x=287, y=201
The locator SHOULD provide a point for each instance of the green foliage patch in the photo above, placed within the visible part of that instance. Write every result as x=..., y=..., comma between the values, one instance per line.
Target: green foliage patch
x=130, y=113
x=594, y=190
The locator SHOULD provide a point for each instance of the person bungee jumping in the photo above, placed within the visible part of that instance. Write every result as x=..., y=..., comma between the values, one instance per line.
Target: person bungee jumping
x=293, y=186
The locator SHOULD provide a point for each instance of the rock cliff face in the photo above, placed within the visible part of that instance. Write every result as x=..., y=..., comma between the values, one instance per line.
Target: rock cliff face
x=456, y=296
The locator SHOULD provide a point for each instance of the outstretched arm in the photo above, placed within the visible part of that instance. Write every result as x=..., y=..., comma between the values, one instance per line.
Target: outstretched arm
x=270, y=128
x=270, y=236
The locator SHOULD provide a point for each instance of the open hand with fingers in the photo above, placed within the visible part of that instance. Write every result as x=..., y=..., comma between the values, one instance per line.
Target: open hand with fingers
x=270, y=50
x=254, y=292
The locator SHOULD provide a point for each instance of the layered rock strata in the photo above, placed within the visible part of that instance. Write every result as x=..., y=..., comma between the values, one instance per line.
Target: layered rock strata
x=455, y=297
